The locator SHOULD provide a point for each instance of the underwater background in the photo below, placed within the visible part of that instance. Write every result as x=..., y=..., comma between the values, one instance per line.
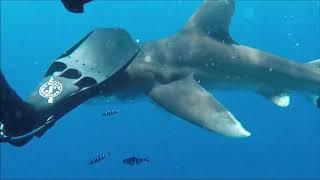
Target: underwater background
x=284, y=142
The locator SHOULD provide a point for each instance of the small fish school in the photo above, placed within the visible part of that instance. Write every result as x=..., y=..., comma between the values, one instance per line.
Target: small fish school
x=128, y=161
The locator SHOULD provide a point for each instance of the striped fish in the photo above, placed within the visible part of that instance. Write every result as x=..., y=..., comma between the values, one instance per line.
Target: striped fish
x=111, y=112
x=99, y=158
x=135, y=160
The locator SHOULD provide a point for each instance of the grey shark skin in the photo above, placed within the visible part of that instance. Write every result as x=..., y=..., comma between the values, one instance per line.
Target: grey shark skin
x=174, y=71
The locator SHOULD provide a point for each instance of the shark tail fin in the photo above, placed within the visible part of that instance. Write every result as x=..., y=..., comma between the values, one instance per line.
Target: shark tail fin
x=315, y=98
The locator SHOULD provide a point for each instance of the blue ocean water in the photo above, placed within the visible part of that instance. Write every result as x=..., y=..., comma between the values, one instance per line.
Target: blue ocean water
x=284, y=142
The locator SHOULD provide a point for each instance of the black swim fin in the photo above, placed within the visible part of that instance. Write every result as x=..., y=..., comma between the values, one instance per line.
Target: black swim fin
x=75, y=6
x=91, y=66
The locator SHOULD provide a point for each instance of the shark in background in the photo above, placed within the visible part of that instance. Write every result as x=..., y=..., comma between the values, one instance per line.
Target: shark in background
x=176, y=72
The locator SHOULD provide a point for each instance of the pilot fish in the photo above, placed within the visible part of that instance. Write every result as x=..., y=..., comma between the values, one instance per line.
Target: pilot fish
x=135, y=160
x=99, y=158
x=111, y=112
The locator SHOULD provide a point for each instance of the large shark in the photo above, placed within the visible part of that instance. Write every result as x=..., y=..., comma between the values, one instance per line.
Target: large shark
x=178, y=71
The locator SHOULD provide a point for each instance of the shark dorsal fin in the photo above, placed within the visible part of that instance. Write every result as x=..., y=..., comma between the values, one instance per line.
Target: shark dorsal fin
x=213, y=18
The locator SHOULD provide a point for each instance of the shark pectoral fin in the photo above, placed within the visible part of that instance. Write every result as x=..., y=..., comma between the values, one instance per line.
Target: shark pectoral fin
x=281, y=99
x=213, y=18
x=188, y=100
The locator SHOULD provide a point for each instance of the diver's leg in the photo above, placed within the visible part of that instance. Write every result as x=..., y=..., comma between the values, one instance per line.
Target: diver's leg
x=16, y=114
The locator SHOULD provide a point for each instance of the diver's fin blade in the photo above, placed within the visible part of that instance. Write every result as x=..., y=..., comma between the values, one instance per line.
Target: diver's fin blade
x=84, y=71
x=281, y=99
x=100, y=54
x=188, y=100
x=75, y=6
x=213, y=18
x=87, y=69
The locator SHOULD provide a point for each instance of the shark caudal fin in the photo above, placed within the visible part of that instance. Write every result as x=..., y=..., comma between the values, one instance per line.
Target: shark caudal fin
x=212, y=19
x=315, y=98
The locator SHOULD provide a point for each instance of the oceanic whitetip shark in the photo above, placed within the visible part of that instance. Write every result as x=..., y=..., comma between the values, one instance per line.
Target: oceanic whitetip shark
x=177, y=72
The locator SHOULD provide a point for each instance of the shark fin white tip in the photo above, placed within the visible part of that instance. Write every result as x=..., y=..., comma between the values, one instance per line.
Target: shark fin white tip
x=282, y=100
x=247, y=134
x=234, y=129
x=237, y=131
x=244, y=133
